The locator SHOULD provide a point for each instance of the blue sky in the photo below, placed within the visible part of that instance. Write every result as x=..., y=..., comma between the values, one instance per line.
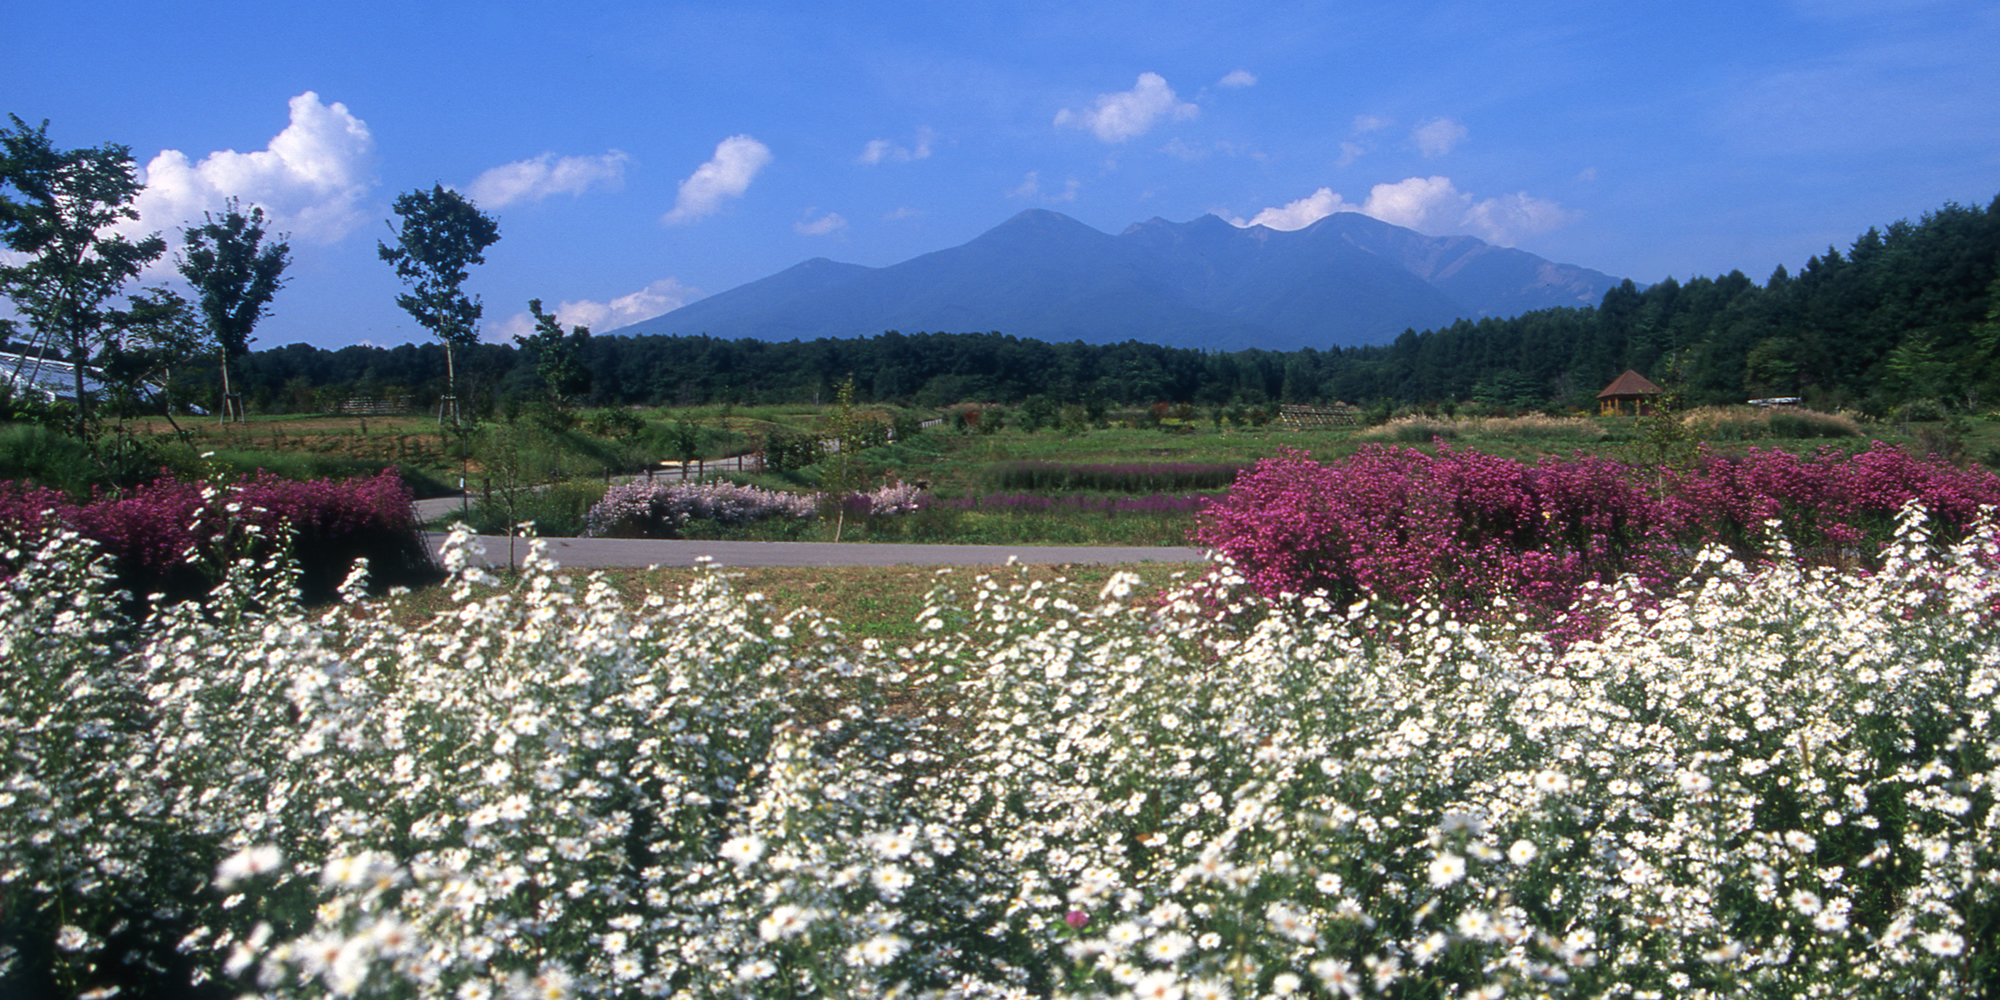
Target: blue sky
x=640, y=155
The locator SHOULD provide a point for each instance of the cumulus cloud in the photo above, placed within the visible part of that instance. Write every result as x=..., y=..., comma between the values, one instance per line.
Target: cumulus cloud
x=311, y=179
x=1437, y=136
x=1431, y=205
x=1426, y=204
x=736, y=163
x=1505, y=219
x=660, y=297
x=1301, y=213
x=884, y=151
x=1240, y=78
x=1031, y=188
x=1131, y=113
x=821, y=226
x=545, y=175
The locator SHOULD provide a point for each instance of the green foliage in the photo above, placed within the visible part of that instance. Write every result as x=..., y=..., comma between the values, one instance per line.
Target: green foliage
x=556, y=510
x=40, y=454
x=234, y=273
x=555, y=355
x=611, y=423
x=59, y=221
x=440, y=236
x=161, y=332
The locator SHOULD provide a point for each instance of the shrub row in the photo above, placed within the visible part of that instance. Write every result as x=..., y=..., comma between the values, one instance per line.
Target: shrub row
x=1122, y=477
x=1395, y=523
x=1036, y=503
x=171, y=536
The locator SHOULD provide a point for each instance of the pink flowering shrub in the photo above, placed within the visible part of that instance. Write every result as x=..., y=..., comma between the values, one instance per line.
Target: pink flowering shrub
x=170, y=535
x=1835, y=507
x=1465, y=528
x=1395, y=523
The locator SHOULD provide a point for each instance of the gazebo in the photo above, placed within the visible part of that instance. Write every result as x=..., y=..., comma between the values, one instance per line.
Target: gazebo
x=1632, y=388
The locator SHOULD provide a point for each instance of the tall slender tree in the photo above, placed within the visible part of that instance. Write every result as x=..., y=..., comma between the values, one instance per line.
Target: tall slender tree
x=234, y=272
x=440, y=235
x=62, y=219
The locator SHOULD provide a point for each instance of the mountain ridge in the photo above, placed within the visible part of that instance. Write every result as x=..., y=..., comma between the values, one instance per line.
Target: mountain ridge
x=1345, y=280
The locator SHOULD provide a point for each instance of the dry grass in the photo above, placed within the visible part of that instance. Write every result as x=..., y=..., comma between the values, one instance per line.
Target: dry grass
x=1751, y=423
x=1420, y=429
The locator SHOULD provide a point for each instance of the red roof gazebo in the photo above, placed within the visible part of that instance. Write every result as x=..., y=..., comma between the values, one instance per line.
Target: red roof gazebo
x=1632, y=388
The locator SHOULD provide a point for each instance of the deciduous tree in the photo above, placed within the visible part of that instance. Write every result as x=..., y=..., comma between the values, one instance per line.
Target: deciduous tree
x=234, y=272
x=441, y=234
x=62, y=218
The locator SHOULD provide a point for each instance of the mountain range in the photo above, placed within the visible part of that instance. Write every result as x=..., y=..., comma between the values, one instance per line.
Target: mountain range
x=1345, y=280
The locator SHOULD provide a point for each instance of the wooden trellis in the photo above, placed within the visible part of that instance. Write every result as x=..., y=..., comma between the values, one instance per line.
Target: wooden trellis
x=373, y=406
x=1299, y=416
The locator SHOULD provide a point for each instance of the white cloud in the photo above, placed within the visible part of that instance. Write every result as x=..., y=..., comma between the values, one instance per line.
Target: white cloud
x=1130, y=113
x=809, y=226
x=1240, y=78
x=545, y=175
x=1031, y=188
x=310, y=179
x=1432, y=205
x=1437, y=136
x=728, y=175
x=1506, y=219
x=1364, y=124
x=1349, y=152
x=901, y=213
x=662, y=296
x=884, y=151
x=1426, y=204
x=1301, y=213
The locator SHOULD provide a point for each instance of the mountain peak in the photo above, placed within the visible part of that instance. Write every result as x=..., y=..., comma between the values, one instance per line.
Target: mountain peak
x=1202, y=283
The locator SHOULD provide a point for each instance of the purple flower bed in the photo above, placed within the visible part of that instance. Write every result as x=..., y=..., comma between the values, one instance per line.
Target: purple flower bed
x=151, y=531
x=1117, y=477
x=1011, y=503
x=1464, y=527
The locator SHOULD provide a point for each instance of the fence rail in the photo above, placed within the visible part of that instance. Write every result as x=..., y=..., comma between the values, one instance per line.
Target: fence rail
x=375, y=406
x=1299, y=416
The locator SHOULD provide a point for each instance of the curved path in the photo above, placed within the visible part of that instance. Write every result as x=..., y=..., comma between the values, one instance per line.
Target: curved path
x=639, y=553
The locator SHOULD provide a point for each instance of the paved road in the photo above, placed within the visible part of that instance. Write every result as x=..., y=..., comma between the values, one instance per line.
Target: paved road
x=606, y=553
x=638, y=553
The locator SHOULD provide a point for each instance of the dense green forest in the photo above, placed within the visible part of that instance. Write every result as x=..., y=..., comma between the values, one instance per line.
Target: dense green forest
x=1908, y=315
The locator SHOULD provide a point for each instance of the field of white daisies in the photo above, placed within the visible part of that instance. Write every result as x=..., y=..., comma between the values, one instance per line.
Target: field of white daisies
x=1774, y=782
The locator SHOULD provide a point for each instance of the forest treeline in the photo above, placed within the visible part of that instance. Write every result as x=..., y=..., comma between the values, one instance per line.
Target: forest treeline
x=1907, y=315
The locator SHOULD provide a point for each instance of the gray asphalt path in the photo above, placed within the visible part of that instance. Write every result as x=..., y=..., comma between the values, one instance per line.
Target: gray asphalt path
x=639, y=553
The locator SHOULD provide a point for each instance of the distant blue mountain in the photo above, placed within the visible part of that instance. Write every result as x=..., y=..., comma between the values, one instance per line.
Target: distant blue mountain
x=1345, y=280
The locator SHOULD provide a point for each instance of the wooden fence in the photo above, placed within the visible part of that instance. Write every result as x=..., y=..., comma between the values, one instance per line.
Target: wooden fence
x=1299, y=416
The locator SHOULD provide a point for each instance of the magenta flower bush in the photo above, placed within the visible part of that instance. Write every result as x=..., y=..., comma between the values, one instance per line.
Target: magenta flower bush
x=1464, y=528
x=170, y=536
x=1835, y=506
x=1395, y=523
